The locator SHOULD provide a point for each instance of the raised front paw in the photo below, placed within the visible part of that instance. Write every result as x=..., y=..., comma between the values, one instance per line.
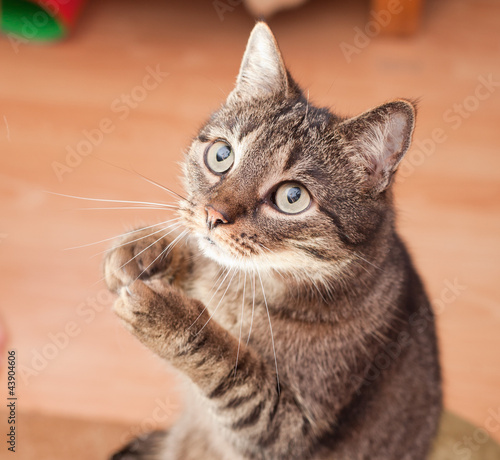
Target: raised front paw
x=142, y=254
x=153, y=312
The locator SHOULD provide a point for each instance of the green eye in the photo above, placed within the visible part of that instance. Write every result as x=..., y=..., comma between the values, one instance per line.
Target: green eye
x=219, y=157
x=292, y=198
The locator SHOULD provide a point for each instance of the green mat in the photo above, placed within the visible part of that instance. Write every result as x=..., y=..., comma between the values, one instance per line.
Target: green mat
x=460, y=440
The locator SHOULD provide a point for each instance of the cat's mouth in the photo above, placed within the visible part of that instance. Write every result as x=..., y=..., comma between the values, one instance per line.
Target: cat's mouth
x=217, y=252
x=227, y=249
x=213, y=247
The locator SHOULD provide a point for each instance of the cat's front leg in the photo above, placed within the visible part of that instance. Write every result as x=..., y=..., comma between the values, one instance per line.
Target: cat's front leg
x=247, y=403
x=158, y=314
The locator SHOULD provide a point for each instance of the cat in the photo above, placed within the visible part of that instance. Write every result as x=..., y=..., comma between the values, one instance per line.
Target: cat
x=292, y=311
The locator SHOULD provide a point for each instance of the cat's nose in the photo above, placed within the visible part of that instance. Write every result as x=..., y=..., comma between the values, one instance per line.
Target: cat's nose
x=214, y=217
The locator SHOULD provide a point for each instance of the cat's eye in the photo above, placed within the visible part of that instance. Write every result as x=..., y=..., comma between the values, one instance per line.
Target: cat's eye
x=219, y=157
x=292, y=198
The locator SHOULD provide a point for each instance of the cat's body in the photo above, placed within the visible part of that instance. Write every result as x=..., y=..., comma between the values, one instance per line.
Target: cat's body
x=290, y=211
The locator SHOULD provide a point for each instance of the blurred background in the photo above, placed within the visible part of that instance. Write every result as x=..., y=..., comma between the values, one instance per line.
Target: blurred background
x=128, y=84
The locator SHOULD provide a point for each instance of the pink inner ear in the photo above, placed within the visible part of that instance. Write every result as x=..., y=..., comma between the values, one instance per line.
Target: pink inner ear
x=395, y=135
x=382, y=146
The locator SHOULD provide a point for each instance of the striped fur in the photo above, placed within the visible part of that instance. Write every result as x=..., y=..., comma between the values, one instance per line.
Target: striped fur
x=304, y=336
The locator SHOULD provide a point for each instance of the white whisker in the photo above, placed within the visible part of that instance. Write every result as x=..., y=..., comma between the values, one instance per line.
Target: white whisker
x=253, y=307
x=142, y=176
x=220, y=301
x=127, y=233
x=145, y=249
x=157, y=184
x=165, y=251
x=265, y=247
x=137, y=239
x=112, y=201
x=226, y=271
x=271, y=329
x=112, y=208
x=367, y=261
x=241, y=322
x=221, y=273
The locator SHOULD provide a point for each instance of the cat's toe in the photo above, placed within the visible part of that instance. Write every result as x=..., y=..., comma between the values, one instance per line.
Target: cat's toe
x=140, y=308
x=132, y=303
x=120, y=269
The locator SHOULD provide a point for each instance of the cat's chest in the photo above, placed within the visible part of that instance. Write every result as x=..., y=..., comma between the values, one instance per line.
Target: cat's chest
x=235, y=299
x=223, y=295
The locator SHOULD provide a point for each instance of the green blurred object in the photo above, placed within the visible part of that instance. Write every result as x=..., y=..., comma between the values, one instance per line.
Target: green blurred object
x=29, y=21
x=460, y=440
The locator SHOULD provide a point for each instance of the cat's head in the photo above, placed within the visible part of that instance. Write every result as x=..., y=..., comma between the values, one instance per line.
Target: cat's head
x=277, y=183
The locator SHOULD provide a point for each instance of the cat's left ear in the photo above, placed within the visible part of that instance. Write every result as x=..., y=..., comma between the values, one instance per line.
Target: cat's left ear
x=378, y=139
x=262, y=72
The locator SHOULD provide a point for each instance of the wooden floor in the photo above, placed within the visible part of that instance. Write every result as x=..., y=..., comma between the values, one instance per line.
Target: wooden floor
x=74, y=358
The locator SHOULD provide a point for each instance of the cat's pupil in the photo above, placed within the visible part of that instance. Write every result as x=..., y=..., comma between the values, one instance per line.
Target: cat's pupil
x=293, y=194
x=223, y=153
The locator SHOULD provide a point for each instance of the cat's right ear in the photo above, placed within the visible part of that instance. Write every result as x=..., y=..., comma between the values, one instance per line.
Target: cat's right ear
x=262, y=72
x=378, y=140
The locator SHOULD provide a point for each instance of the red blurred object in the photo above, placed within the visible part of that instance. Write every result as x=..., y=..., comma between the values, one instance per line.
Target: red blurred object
x=65, y=11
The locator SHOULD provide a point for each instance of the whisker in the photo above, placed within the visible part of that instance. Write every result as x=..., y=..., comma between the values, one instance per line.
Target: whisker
x=139, y=253
x=265, y=247
x=166, y=189
x=220, y=301
x=253, y=307
x=110, y=200
x=176, y=241
x=241, y=322
x=137, y=239
x=127, y=233
x=359, y=264
x=221, y=273
x=307, y=105
x=318, y=289
x=162, y=208
x=274, y=269
x=152, y=244
x=170, y=245
x=226, y=271
x=271, y=329
x=367, y=261
x=133, y=171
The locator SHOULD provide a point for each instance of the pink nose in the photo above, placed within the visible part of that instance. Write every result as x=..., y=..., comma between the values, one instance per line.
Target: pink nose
x=214, y=217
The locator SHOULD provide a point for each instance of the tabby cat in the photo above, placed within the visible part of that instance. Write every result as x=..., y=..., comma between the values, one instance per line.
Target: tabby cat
x=292, y=310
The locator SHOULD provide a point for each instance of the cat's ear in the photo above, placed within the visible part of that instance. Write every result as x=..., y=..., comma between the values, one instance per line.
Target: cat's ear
x=378, y=139
x=262, y=72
